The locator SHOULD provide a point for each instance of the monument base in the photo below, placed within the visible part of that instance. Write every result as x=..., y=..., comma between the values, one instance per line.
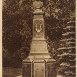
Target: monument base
x=39, y=49
x=38, y=68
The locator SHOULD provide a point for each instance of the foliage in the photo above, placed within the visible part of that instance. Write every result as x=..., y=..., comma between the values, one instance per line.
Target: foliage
x=17, y=31
x=66, y=52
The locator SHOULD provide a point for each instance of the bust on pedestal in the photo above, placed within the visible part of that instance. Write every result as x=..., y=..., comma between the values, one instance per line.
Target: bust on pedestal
x=39, y=62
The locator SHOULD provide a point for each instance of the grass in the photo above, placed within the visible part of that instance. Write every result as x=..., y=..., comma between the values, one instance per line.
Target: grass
x=11, y=72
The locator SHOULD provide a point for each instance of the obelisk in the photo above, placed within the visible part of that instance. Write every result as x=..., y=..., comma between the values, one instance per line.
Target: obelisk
x=39, y=62
x=38, y=45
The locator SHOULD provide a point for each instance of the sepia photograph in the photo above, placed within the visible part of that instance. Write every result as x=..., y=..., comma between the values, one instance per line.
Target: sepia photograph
x=38, y=38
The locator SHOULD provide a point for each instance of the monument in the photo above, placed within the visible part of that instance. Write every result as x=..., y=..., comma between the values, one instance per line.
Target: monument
x=39, y=62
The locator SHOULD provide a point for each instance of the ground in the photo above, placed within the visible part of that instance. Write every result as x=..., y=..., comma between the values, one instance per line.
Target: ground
x=12, y=72
x=17, y=72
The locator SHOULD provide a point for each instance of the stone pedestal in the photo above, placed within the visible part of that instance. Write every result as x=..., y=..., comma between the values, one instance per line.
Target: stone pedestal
x=38, y=63
x=39, y=49
x=39, y=68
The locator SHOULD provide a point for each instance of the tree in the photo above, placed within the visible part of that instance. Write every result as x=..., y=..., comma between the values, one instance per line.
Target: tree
x=63, y=13
x=16, y=29
x=67, y=52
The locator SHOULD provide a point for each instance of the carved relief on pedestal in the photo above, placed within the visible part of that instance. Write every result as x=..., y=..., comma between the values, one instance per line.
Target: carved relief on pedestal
x=38, y=28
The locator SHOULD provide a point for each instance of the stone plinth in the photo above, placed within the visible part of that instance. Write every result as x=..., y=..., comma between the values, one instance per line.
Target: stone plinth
x=39, y=68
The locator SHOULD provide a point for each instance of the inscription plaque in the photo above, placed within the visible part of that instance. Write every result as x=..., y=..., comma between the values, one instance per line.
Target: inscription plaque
x=39, y=69
x=51, y=72
x=27, y=70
